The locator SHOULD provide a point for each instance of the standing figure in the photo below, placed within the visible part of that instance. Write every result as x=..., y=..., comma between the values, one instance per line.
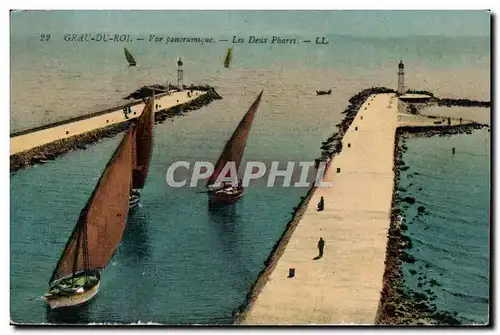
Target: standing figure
x=321, y=205
x=321, y=247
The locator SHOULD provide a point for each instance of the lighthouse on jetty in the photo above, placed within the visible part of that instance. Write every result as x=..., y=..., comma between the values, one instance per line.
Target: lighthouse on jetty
x=180, y=75
x=401, y=78
x=402, y=92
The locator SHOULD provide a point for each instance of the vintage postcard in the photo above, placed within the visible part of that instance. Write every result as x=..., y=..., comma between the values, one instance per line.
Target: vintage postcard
x=250, y=167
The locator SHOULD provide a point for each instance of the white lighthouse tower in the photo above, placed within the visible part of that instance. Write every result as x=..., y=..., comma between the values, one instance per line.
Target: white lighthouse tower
x=401, y=78
x=180, y=75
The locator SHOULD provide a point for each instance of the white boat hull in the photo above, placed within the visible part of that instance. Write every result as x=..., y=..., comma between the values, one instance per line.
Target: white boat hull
x=134, y=203
x=134, y=200
x=225, y=197
x=73, y=300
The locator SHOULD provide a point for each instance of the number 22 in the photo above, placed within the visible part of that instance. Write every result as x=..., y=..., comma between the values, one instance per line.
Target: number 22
x=44, y=37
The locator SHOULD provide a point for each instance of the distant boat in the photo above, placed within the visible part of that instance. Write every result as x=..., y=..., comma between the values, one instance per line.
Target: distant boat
x=229, y=58
x=142, y=149
x=97, y=234
x=324, y=92
x=130, y=59
x=233, y=152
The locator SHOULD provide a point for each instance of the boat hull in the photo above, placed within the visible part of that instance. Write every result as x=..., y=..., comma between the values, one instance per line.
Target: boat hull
x=225, y=198
x=134, y=200
x=73, y=300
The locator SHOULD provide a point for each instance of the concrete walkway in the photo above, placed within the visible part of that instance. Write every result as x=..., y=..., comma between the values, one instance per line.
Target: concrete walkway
x=31, y=140
x=344, y=286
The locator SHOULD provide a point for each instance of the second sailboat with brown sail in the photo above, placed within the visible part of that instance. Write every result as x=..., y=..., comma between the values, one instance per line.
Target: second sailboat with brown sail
x=142, y=149
x=228, y=58
x=130, y=59
x=97, y=233
x=233, y=152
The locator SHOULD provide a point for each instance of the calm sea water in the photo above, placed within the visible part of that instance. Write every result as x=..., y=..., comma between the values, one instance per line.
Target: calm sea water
x=451, y=241
x=180, y=262
x=55, y=80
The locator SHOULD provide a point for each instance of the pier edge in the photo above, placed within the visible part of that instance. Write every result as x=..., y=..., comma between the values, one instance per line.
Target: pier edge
x=330, y=147
x=50, y=151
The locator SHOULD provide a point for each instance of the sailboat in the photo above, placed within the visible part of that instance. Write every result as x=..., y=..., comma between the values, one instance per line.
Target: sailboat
x=130, y=59
x=233, y=152
x=141, y=151
x=97, y=233
x=229, y=57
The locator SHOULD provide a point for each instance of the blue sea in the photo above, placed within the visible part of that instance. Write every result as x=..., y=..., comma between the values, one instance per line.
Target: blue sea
x=179, y=261
x=451, y=237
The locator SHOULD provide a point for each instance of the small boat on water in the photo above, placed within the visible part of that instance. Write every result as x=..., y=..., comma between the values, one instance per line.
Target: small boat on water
x=97, y=234
x=130, y=59
x=228, y=58
x=324, y=92
x=233, y=152
x=141, y=151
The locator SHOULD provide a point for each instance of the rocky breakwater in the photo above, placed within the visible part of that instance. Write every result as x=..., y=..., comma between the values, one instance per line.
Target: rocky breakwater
x=463, y=102
x=449, y=102
x=416, y=108
x=147, y=91
x=192, y=105
x=330, y=147
x=429, y=131
x=399, y=304
x=50, y=151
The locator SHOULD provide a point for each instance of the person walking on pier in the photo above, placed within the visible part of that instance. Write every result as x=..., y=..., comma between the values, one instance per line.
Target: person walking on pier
x=321, y=205
x=321, y=247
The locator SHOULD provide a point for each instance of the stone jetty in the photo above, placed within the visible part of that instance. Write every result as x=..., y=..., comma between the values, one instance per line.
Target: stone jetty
x=37, y=146
x=342, y=287
x=358, y=276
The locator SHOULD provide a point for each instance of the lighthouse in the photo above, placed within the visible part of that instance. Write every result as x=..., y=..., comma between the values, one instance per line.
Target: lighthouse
x=180, y=75
x=401, y=78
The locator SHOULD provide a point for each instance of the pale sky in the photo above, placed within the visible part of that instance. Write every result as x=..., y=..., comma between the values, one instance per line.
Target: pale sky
x=211, y=23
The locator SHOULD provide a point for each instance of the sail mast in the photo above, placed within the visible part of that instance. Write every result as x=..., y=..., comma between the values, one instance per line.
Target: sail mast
x=143, y=145
x=78, y=243
x=235, y=146
x=102, y=221
x=67, y=247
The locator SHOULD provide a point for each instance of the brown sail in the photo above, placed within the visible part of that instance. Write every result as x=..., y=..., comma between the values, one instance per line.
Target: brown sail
x=233, y=151
x=100, y=226
x=143, y=145
x=130, y=59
